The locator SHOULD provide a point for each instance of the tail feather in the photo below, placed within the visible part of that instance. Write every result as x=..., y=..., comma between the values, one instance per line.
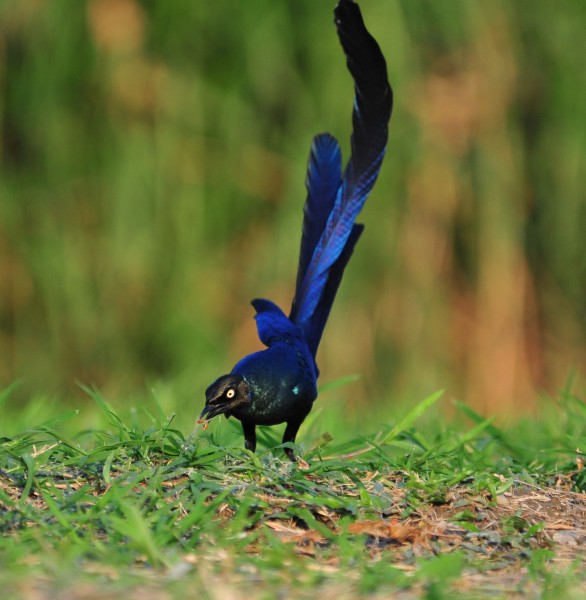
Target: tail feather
x=322, y=310
x=324, y=176
x=332, y=233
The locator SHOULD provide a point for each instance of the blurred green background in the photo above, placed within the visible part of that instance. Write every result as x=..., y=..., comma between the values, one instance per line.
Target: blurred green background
x=152, y=166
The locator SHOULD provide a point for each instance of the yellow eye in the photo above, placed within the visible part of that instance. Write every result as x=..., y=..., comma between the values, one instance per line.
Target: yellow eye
x=230, y=394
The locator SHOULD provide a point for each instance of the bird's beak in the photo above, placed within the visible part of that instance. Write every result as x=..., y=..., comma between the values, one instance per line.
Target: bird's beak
x=210, y=411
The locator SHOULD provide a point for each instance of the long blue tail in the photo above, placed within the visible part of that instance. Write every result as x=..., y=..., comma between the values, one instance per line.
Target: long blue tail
x=334, y=200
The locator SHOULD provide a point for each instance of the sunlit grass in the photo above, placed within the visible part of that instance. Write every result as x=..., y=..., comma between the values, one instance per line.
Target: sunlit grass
x=140, y=502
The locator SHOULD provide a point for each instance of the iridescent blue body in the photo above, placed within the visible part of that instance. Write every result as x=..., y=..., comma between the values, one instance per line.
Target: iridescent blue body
x=282, y=384
x=279, y=384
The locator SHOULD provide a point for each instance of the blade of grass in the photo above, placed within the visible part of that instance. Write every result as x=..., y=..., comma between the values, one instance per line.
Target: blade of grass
x=337, y=383
x=410, y=418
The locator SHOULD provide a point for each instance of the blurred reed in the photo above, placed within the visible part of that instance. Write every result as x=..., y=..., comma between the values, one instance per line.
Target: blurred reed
x=152, y=164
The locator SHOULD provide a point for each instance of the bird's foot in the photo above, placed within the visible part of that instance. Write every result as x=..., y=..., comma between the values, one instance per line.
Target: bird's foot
x=302, y=464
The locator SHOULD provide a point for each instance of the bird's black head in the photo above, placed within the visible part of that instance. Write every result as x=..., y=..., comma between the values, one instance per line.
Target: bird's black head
x=224, y=395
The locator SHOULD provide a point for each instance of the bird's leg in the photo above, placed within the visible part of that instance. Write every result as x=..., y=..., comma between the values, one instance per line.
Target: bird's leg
x=249, y=431
x=289, y=436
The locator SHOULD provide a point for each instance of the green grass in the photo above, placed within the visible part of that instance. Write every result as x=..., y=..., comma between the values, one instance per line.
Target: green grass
x=138, y=505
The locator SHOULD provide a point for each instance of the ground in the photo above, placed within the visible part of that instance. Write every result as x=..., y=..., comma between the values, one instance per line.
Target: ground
x=150, y=513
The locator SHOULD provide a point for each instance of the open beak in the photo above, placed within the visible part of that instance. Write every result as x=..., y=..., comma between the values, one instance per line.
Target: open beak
x=210, y=411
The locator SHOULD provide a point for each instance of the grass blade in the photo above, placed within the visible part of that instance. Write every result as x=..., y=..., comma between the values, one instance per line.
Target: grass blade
x=410, y=418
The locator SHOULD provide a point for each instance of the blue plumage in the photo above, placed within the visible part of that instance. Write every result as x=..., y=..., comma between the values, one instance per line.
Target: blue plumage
x=278, y=384
x=324, y=175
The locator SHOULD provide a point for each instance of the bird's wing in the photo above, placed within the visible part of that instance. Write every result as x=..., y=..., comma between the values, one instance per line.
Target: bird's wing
x=271, y=322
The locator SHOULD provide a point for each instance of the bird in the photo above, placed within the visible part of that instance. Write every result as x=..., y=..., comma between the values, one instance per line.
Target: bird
x=279, y=383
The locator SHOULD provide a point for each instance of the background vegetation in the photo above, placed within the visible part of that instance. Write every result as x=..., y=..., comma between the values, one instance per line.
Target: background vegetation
x=152, y=164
